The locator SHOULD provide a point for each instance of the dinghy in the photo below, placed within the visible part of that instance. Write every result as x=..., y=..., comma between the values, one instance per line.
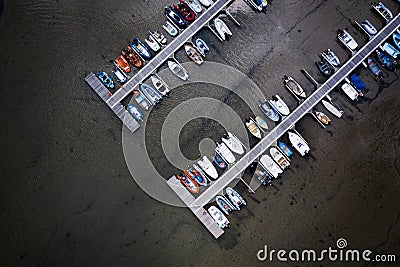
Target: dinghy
x=119, y=75
x=141, y=100
x=189, y=183
x=206, y=3
x=132, y=57
x=396, y=38
x=193, y=54
x=374, y=68
x=293, y=86
x=391, y=50
x=160, y=86
x=135, y=112
x=349, y=90
x=195, y=6
x=271, y=166
x=383, y=10
x=324, y=68
x=285, y=149
x=368, y=27
x=235, y=198
x=322, y=117
x=105, y=79
x=140, y=48
x=186, y=12
x=201, y=47
x=222, y=30
x=150, y=93
x=253, y=128
x=224, y=204
x=196, y=176
x=218, y=217
x=220, y=162
x=331, y=58
x=175, y=17
x=385, y=60
x=178, y=70
x=279, y=158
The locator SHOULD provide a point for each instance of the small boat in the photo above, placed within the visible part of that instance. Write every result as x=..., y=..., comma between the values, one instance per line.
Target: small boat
x=285, y=149
x=218, y=217
x=206, y=165
x=374, y=68
x=350, y=91
x=357, y=82
x=368, y=27
x=235, y=198
x=151, y=94
x=386, y=61
x=160, y=86
x=178, y=70
x=220, y=162
x=201, y=46
x=261, y=123
x=269, y=111
x=279, y=158
x=298, y=143
x=331, y=58
x=253, y=128
x=224, y=204
x=280, y=106
x=225, y=153
x=322, y=117
x=141, y=100
x=257, y=4
x=264, y=177
x=190, y=184
x=324, y=68
x=152, y=43
x=105, y=79
x=396, y=39
x=271, y=166
x=195, y=175
x=170, y=29
x=119, y=75
x=193, y=54
x=332, y=109
x=194, y=5
x=132, y=57
x=122, y=63
x=233, y=143
x=160, y=38
x=206, y=3
x=200, y=171
x=293, y=86
x=222, y=30
x=140, y=48
x=175, y=17
x=347, y=40
x=135, y=112
x=186, y=12
x=383, y=10
x=391, y=50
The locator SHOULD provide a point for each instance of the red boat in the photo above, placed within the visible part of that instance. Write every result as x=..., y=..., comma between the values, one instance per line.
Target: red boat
x=123, y=64
x=190, y=184
x=132, y=57
x=187, y=13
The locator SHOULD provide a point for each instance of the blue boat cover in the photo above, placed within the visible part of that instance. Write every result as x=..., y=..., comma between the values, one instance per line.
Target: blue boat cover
x=357, y=82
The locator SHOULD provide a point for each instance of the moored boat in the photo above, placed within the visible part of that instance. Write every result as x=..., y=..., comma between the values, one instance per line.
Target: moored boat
x=347, y=40
x=332, y=109
x=269, y=111
x=122, y=63
x=206, y=3
x=368, y=27
x=293, y=86
x=135, y=112
x=235, y=198
x=206, y=165
x=119, y=75
x=160, y=86
x=386, y=61
x=220, y=162
x=193, y=54
x=225, y=153
x=391, y=50
x=175, y=17
x=222, y=30
x=141, y=100
x=140, y=48
x=383, y=10
x=194, y=5
x=189, y=183
x=186, y=12
x=263, y=176
x=261, y=123
x=105, y=79
x=160, y=38
x=197, y=176
x=349, y=90
x=271, y=166
x=357, y=82
x=224, y=204
x=202, y=46
x=279, y=105
x=152, y=43
x=253, y=128
x=330, y=57
x=178, y=70
x=170, y=29
x=396, y=38
x=324, y=68
x=374, y=68
x=132, y=57
x=150, y=93
x=279, y=158
x=218, y=217
x=233, y=143
x=299, y=143
x=285, y=149
x=322, y=117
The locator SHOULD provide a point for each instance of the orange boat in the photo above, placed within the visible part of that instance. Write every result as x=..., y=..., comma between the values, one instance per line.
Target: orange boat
x=123, y=64
x=190, y=184
x=132, y=57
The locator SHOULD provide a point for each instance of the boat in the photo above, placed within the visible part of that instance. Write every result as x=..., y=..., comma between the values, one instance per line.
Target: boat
x=331, y=58
x=324, y=68
x=194, y=5
x=391, y=50
x=160, y=86
x=279, y=105
x=285, y=149
x=175, y=17
x=264, y=3
x=235, y=198
x=279, y=158
x=152, y=43
x=383, y=10
x=119, y=75
x=218, y=217
x=160, y=38
x=269, y=111
x=224, y=204
x=206, y=165
x=189, y=183
x=140, y=48
x=197, y=169
x=170, y=29
x=220, y=162
x=151, y=94
x=298, y=143
x=105, y=79
x=132, y=57
x=322, y=117
x=193, y=54
x=349, y=90
x=222, y=30
x=233, y=143
x=122, y=63
x=293, y=86
x=201, y=46
x=347, y=40
x=195, y=175
x=141, y=100
x=178, y=70
x=374, y=68
x=261, y=122
x=368, y=27
x=135, y=112
x=386, y=61
x=357, y=82
x=257, y=4
x=263, y=176
x=186, y=12
x=206, y=3
x=332, y=109
x=396, y=38
x=271, y=166
x=225, y=153
x=253, y=128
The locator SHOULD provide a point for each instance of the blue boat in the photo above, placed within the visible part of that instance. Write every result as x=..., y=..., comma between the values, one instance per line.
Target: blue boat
x=220, y=162
x=285, y=149
x=135, y=112
x=175, y=17
x=396, y=38
x=386, y=61
x=141, y=48
x=105, y=79
x=374, y=68
x=195, y=175
x=269, y=111
x=357, y=82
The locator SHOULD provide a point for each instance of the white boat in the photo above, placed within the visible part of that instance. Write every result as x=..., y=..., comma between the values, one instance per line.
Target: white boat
x=178, y=70
x=279, y=158
x=235, y=198
x=224, y=204
x=233, y=143
x=383, y=10
x=261, y=123
x=160, y=86
x=170, y=29
x=225, y=153
x=193, y=54
x=271, y=166
x=331, y=58
x=202, y=46
x=222, y=29
x=391, y=50
x=218, y=217
x=119, y=75
x=150, y=93
x=293, y=86
x=206, y=165
x=152, y=43
x=278, y=103
x=160, y=38
x=347, y=40
x=253, y=128
x=194, y=5
x=349, y=90
x=332, y=109
x=368, y=27
x=206, y=3
x=298, y=143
